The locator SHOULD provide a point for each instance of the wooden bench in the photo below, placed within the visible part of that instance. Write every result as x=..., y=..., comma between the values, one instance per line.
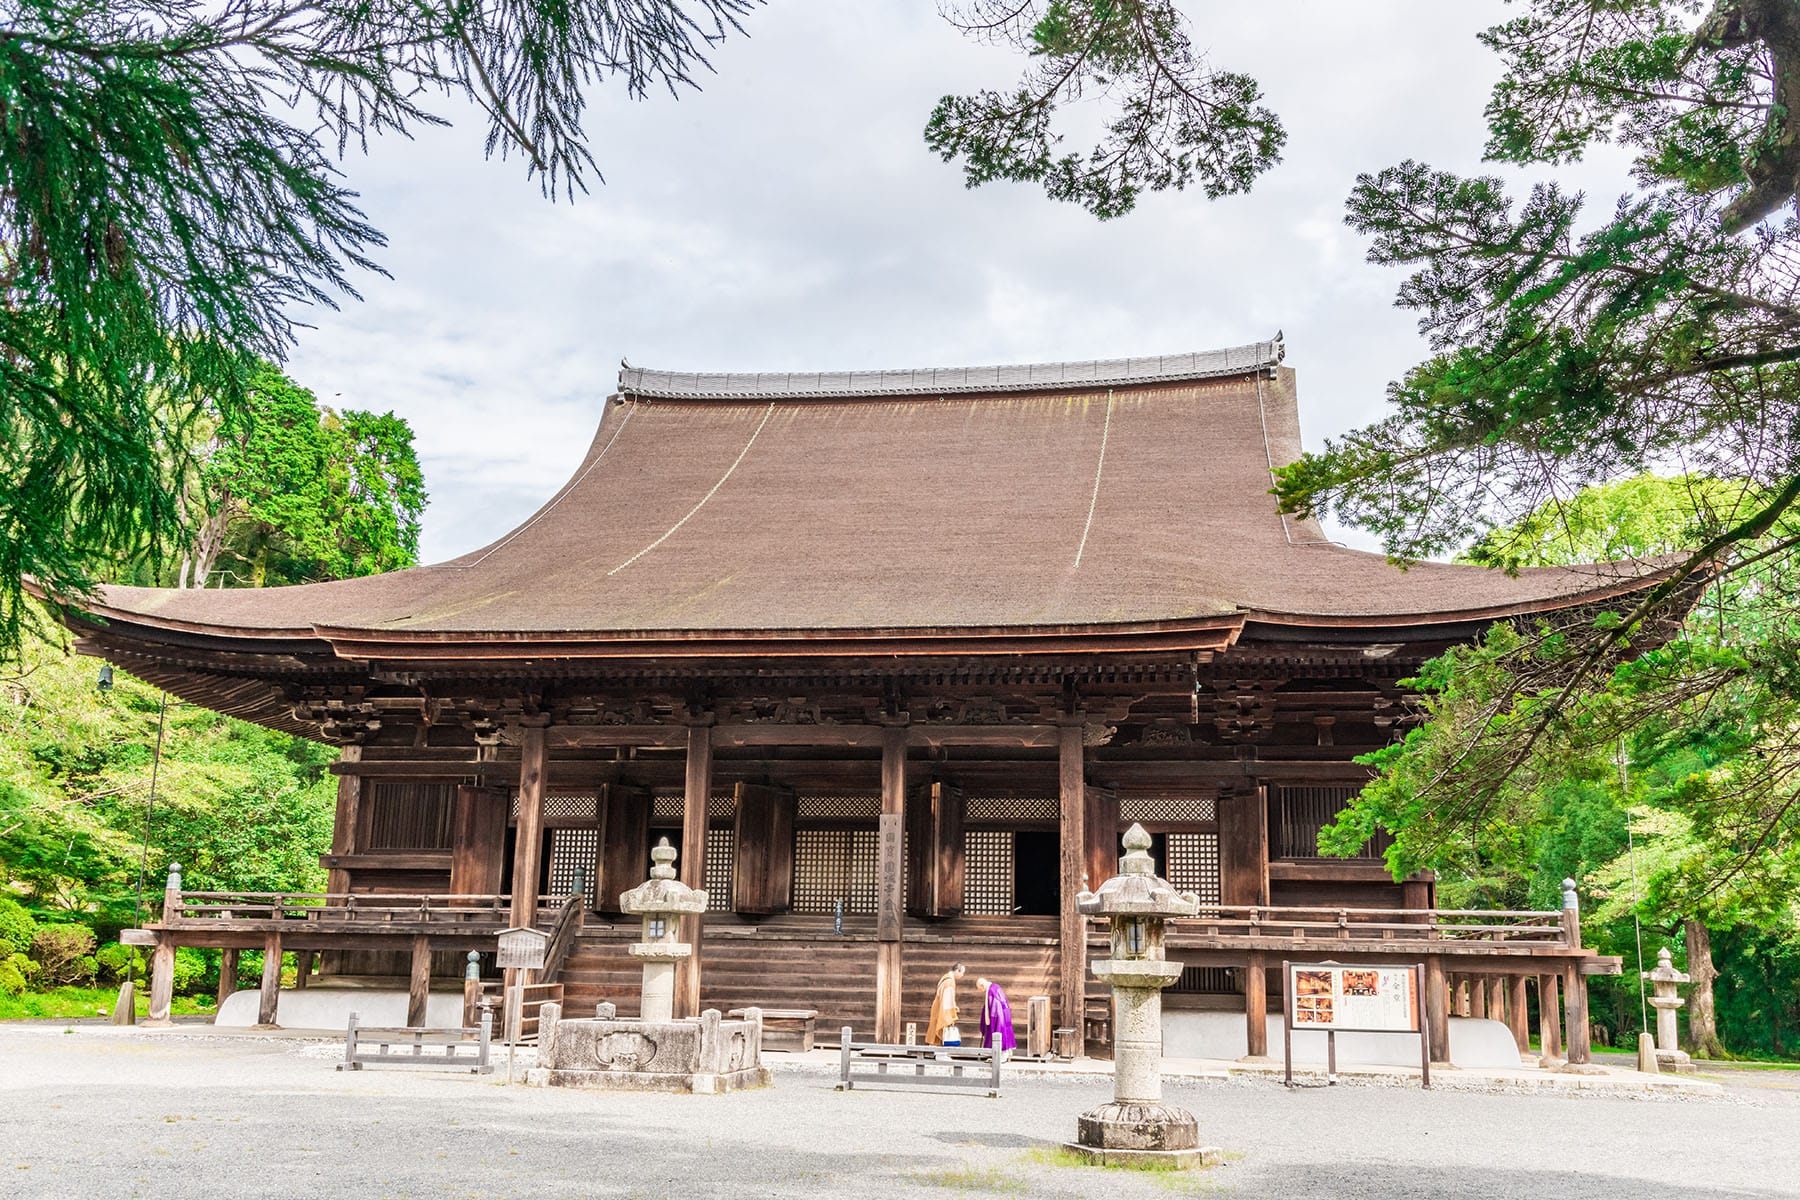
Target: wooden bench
x=784, y=1028
x=916, y=1066
x=459, y=1048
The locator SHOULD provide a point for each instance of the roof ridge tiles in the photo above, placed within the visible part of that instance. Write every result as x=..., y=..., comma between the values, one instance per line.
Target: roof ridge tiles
x=651, y=384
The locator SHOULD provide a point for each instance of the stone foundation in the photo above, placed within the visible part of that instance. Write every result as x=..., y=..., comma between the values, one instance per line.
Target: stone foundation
x=1123, y=1125
x=702, y=1055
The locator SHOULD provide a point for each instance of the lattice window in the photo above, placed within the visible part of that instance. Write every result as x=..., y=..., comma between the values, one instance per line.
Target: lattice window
x=669, y=806
x=1194, y=864
x=837, y=808
x=834, y=864
x=572, y=850
x=719, y=851
x=569, y=807
x=987, y=872
x=1168, y=810
x=1013, y=808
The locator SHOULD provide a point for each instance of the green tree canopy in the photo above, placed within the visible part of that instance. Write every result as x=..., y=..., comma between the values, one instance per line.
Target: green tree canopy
x=169, y=190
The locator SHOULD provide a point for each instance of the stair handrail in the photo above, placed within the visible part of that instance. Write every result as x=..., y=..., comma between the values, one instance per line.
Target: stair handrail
x=564, y=932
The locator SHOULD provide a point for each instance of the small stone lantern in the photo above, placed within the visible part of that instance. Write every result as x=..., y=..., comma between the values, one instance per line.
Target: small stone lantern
x=1137, y=1127
x=1665, y=979
x=661, y=900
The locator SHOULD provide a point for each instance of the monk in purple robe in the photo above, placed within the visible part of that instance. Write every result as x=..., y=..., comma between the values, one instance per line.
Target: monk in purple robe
x=996, y=1017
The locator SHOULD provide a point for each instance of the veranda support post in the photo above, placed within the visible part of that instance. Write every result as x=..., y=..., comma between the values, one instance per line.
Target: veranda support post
x=1437, y=1008
x=269, y=994
x=162, y=981
x=1549, y=1018
x=1256, y=1005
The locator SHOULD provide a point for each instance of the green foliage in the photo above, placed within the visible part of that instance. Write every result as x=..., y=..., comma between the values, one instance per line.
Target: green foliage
x=115, y=963
x=194, y=970
x=65, y=953
x=17, y=927
x=240, y=807
x=67, y=1003
x=15, y=974
x=293, y=492
x=169, y=192
x=1175, y=121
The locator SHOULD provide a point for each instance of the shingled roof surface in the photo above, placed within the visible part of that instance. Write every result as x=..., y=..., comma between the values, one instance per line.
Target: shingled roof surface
x=1052, y=497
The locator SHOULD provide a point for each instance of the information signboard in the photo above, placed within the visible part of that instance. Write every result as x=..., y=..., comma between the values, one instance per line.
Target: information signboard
x=1334, y=998
x=1367, y=999
x=522, y=949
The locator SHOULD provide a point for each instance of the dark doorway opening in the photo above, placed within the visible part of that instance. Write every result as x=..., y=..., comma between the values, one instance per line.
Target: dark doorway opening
x=1037, y=873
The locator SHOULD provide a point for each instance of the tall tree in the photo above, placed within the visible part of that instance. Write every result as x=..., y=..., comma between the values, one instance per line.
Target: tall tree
x=290, y=491
x=169, y=190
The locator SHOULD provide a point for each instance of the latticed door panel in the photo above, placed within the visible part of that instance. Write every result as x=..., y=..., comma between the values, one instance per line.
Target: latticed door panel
x=987, y=873
x=572, y=851
x=832, y=865
x=719, y=854
x=1194, y=864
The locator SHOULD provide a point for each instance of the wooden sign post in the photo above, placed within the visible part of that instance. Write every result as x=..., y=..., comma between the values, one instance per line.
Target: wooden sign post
x=519, y=952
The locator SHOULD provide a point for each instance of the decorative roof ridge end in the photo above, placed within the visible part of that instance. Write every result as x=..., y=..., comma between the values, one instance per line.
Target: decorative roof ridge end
x=652, y=384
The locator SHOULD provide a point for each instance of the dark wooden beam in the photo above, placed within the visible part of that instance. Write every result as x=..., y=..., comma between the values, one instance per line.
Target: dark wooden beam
x=693, y=862
x=529, y=844
x=890, y=876
x=1071, y=782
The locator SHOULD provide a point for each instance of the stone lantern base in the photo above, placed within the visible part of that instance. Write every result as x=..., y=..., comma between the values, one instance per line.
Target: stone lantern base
x=1136, y=1134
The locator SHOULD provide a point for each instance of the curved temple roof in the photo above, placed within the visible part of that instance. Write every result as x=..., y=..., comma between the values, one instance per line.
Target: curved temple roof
x=905, y=512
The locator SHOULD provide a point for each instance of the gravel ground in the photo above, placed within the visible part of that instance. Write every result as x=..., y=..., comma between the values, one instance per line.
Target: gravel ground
x=110, y=1113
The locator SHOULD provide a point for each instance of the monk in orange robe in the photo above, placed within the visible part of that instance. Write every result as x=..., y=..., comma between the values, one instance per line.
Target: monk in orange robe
x=943, y=1006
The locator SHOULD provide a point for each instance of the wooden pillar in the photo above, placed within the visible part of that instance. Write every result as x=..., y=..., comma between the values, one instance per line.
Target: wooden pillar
x=1549, y=1018
x=346, y=821
x=228, y=969
x=528, y=847
x=693, y=861
x=303, y=965
x=1516, y=1018
x=1256, y=1005
x=890, y=875
x=1073, y=939
x=270, y=994
x=1496, y=1001
x=419, y=990
x=1437, y=1008
x=162, y=981
x=1477, y=987
x=1575, y=1015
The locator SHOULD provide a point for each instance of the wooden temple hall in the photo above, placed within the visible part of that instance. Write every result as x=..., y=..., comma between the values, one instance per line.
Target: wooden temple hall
x=892, y=658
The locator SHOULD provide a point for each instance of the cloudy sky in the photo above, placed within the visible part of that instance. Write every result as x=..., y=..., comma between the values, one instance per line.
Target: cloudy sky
x=788, y=217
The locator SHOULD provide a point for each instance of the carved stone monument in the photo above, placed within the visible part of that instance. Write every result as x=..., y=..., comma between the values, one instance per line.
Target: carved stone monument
x=653, y=1052
x=1137, y=1127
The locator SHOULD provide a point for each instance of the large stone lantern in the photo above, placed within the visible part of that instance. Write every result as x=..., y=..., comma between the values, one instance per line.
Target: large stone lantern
x=661, y=900
x=1667, y=1002
x=1137, y=1126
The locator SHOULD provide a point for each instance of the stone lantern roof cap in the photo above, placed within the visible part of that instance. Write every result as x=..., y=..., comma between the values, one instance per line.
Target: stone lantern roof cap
x=1137, y=890
x=1665, y=969
x=662, y=892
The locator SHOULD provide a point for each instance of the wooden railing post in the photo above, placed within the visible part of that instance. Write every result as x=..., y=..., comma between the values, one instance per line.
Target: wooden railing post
x=1437, y=1008
x=172, y=893
x=472, y=990
x=1575, y=998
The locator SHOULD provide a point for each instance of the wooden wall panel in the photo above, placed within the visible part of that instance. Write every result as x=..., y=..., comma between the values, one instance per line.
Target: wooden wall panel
x=762, y=860
x=624, y=857
x=934, y=833
x=478, y=849
x=408, y=816
x=1103, y=834
x=1243, y=848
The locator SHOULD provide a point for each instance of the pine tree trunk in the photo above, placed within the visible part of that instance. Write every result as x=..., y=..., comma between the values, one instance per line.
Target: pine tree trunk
x=1703, y=1021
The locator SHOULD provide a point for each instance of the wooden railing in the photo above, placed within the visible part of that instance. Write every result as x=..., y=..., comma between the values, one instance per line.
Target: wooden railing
x=479, y=995
x=564, y=932
x=1326, y=923
x=332, y=908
